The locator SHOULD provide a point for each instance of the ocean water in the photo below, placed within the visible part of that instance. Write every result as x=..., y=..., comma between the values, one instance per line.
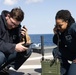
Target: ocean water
x=36, y=39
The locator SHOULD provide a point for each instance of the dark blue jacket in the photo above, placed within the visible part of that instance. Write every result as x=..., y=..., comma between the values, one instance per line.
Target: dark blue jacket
x=67, y=43
x=8, y=38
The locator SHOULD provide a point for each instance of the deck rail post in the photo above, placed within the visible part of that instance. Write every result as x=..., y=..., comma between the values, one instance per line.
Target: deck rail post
x=42, y=47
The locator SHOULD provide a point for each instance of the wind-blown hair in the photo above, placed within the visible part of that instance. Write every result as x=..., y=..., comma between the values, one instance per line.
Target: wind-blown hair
x=65, y=15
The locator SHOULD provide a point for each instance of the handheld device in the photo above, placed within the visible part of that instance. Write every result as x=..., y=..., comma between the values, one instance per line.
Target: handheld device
x=27, y=44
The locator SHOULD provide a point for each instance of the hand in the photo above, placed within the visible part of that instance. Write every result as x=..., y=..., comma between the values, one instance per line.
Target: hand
x=20, y=48
x=24, y=31
x=55, y=30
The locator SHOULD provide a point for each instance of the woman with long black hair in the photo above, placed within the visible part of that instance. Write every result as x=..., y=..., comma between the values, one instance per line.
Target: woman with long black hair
x=65, y=28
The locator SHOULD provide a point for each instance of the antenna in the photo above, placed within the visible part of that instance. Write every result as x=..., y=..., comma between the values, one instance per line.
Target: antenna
x=42, y=47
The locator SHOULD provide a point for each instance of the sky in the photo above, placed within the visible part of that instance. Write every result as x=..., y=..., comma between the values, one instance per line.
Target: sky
x=39, y=14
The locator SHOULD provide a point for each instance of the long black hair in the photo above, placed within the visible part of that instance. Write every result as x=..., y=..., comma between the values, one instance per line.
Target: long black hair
x=65, y=15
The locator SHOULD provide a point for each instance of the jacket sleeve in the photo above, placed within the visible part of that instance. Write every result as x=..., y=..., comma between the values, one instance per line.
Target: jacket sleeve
x=7, y=48
x=73, y=29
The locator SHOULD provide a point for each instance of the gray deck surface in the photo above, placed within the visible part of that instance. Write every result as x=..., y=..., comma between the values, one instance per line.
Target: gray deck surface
x=33, y=65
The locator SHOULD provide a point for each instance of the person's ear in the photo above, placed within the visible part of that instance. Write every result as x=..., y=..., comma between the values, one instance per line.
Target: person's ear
x=66, y=21
x=8, y=16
